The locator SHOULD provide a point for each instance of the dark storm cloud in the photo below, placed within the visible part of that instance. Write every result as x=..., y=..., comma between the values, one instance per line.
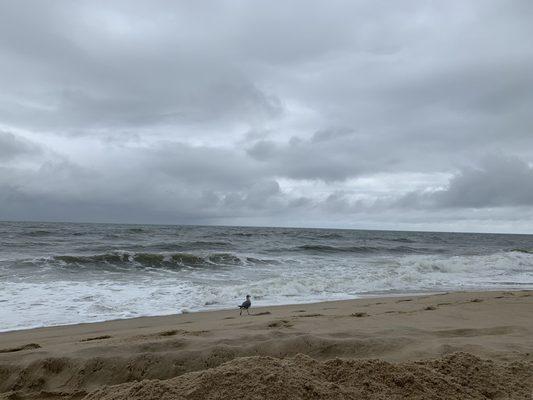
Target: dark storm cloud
x=497, y=182
x=229, y=110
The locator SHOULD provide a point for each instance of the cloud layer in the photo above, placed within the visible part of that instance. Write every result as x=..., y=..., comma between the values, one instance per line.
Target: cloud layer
x=415, y=115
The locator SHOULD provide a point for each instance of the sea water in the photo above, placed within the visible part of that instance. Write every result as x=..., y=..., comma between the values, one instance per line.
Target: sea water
x=62, y=273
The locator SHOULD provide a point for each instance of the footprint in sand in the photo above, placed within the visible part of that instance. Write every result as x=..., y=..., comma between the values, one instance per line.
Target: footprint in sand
x=96, y=338
x=181, y=332
x=360, y=314
x=168, y=333
x=280, y=324
x=473, y=332
x=29, y=346
x=261, y=313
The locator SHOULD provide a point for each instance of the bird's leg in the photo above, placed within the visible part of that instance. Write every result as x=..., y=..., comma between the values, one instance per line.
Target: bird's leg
x=240, y=313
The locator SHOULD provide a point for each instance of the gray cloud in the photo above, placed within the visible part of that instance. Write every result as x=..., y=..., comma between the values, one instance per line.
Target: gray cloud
x=237, y=112
x=12, y=146
x=497, y=182
x=87, y=68
x=337, y=154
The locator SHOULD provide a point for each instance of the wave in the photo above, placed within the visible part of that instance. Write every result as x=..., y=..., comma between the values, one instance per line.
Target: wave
x=337, y=249
x=152, y=260
x=169, y=245
x=188, y=246
x=527, y=251
x=37, y=233
x=318, y=248
x=330, y=236
x=401, y=240
x=136, y=230
x=211, y=284
x=204, y=243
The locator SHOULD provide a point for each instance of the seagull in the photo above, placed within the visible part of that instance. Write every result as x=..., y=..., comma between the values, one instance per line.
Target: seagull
x=246, y=305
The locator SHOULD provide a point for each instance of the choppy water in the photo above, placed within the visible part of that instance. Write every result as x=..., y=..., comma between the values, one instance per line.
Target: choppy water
x=52, y=273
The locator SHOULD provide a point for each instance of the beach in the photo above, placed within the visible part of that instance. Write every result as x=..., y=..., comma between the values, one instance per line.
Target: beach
x=445, y=345
x=250, y=200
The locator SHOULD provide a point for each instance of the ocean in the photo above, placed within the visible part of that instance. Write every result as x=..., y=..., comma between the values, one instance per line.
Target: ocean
x=63, y=273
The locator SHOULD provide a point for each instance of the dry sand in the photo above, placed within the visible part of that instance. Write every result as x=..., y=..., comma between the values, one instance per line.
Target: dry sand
x=446, y=346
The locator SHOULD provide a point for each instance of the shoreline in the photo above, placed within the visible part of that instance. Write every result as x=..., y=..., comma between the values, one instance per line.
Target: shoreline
x=263, y=306
x=72, y=361
x=255, y=311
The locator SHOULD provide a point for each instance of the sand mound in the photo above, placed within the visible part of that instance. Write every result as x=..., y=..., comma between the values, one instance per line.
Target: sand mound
x=169, y=358
x=457, y=376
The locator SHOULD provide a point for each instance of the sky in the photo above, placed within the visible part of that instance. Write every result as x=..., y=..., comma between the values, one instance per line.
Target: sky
x=403, y=115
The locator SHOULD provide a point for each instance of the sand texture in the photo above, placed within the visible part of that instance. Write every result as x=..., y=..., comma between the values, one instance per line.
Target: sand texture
x=446, y=346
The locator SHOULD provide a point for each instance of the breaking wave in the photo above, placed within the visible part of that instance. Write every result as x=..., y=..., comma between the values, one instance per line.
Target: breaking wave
x=319, y=248
x=164, y=283
x=151, y=260
x=527, y=251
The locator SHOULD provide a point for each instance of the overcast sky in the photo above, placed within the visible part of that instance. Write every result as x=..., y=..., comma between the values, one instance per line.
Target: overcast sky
x=354, y=114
